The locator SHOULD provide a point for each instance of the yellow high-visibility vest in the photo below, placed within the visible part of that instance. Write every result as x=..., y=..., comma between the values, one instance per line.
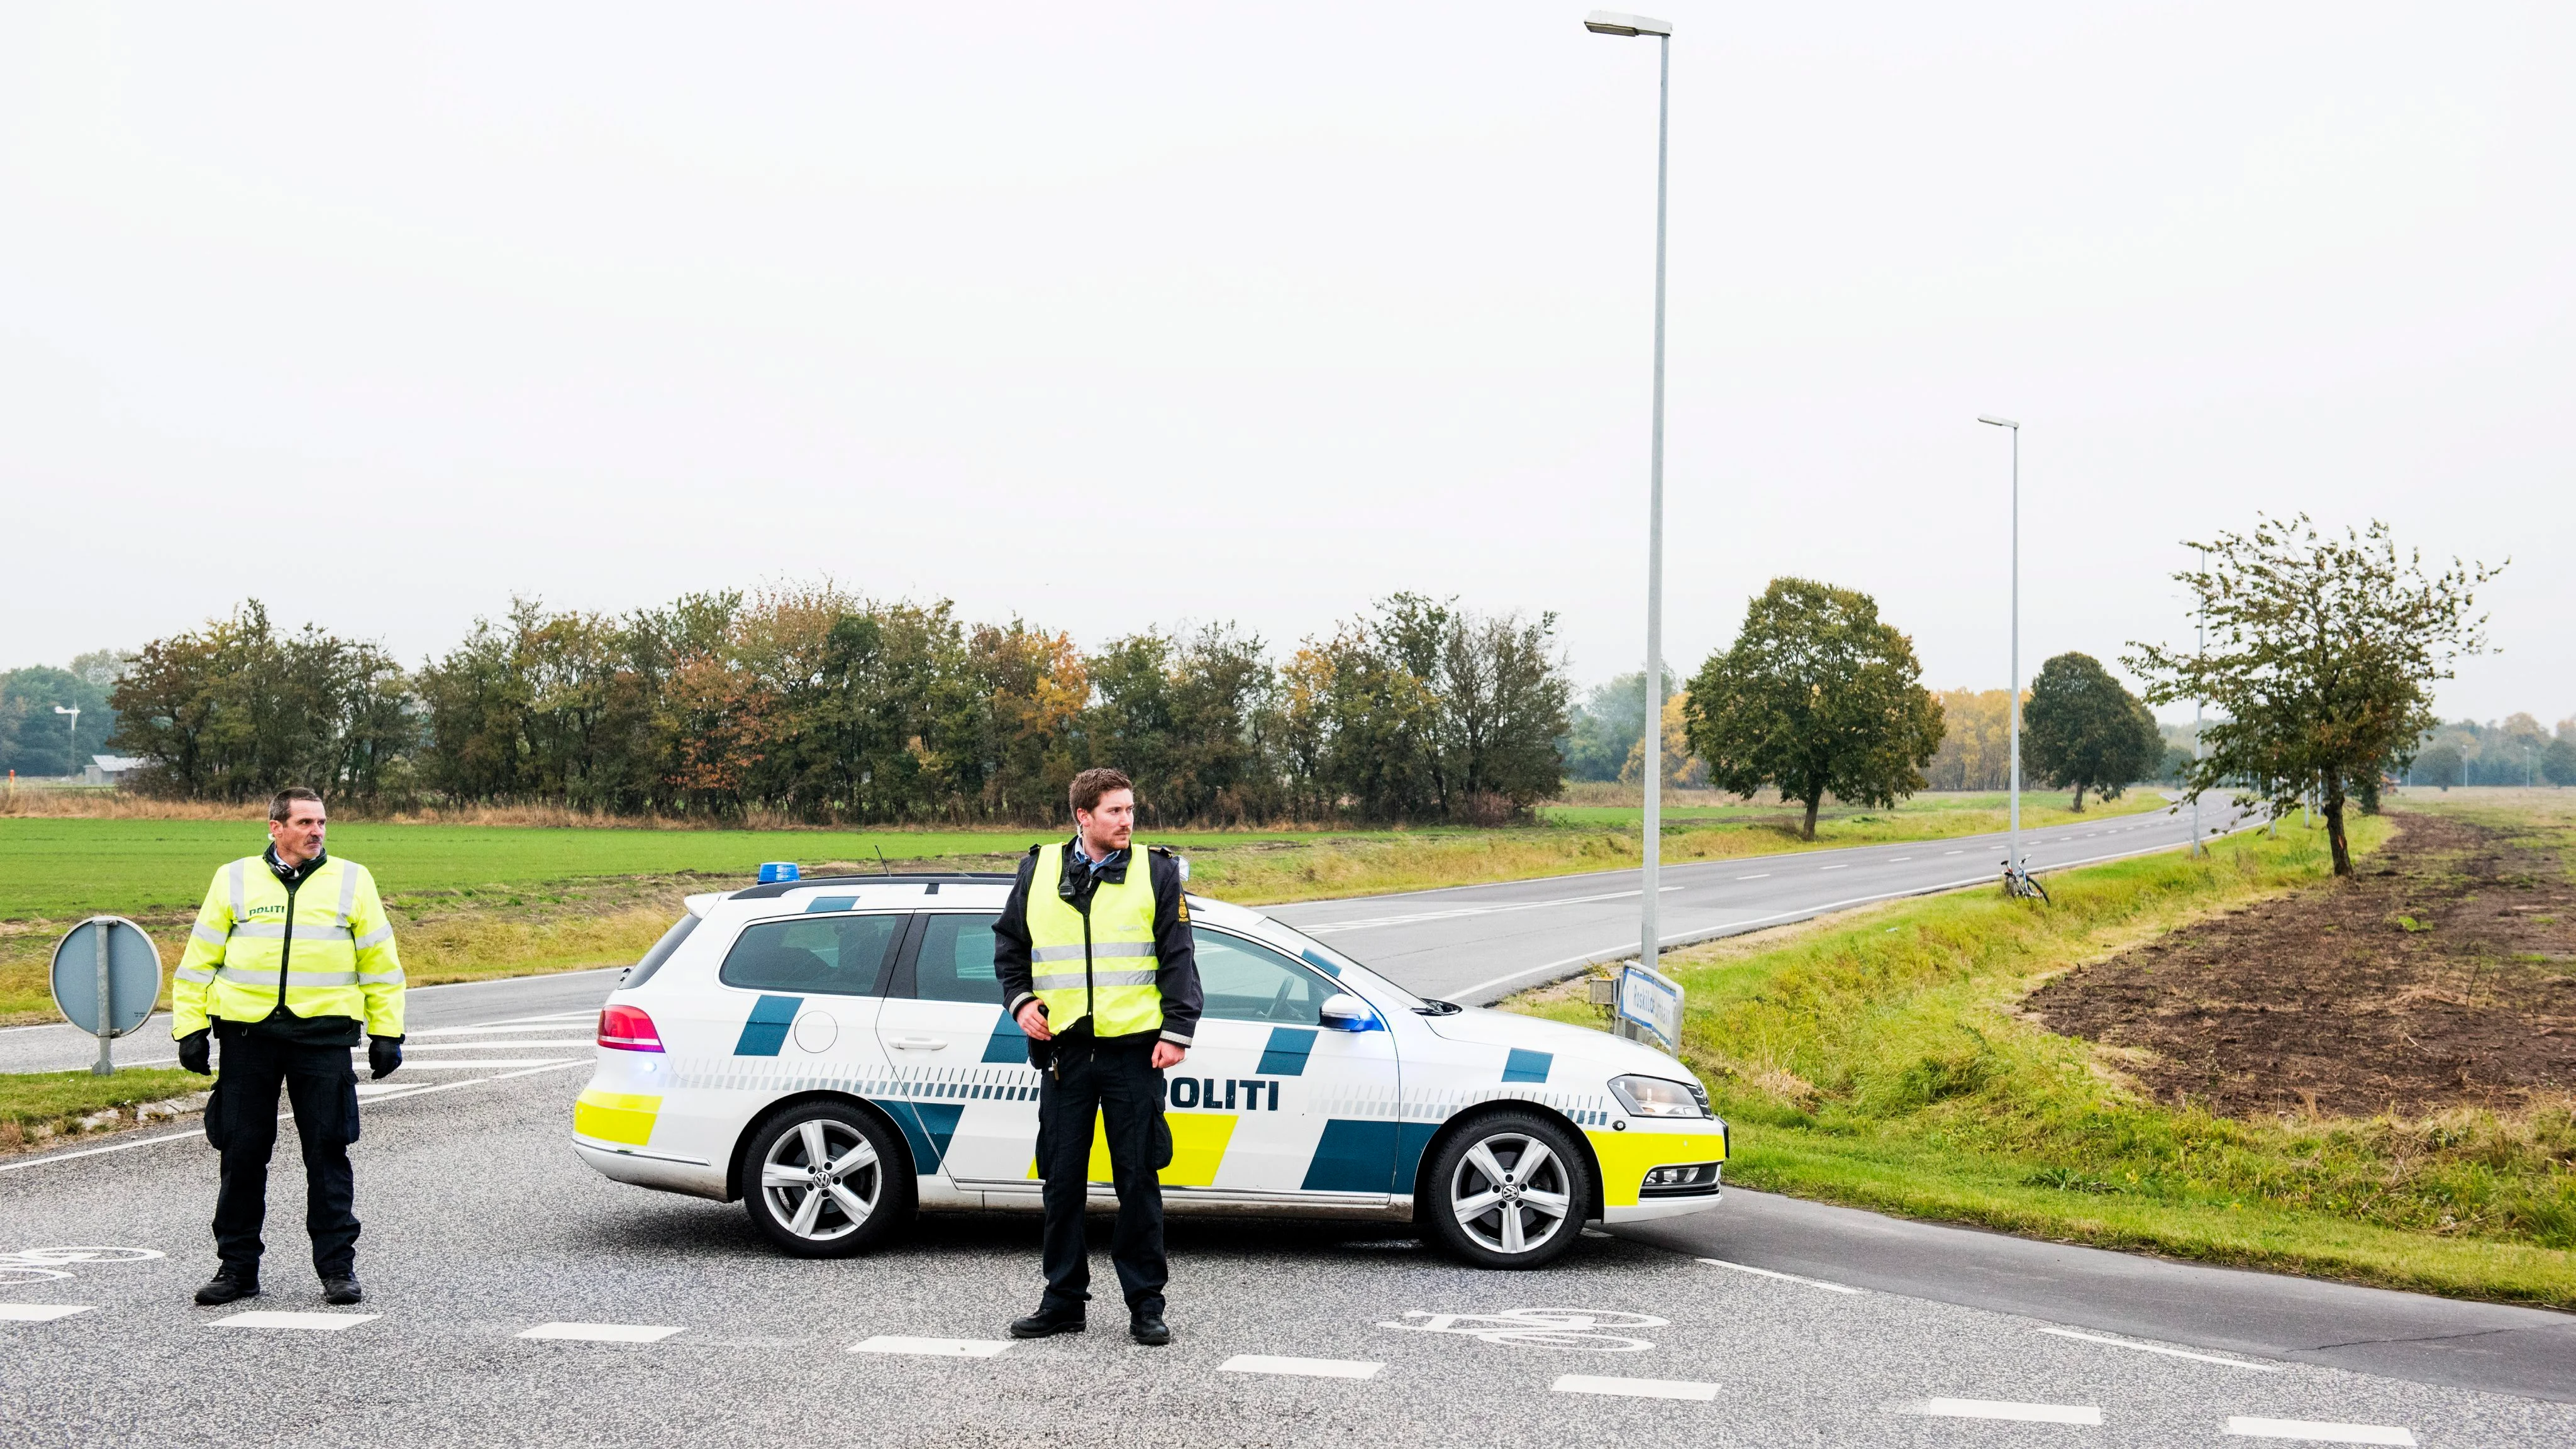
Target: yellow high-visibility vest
x=1101, y=965
x=323, y=949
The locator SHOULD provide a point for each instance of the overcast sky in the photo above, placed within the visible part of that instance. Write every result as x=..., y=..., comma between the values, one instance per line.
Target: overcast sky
x=1110, y=316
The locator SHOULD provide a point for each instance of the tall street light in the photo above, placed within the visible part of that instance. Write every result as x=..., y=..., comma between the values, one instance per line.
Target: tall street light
x=71, y=763
x=1605, y=22
x=2013, y=852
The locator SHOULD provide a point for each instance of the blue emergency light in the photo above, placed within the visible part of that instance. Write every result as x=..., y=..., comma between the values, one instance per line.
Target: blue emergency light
x=774, y=871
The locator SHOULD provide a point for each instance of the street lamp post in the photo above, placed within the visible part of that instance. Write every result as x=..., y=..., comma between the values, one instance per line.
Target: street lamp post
x=1649, y=940
x=71, y=761
x=2012, y=852
x=2203, y=627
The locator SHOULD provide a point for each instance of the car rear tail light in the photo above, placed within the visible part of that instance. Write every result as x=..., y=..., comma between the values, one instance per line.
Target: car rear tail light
x=628, y=1030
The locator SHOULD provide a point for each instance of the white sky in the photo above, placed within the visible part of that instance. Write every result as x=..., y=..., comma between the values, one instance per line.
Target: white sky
x=1119, y=315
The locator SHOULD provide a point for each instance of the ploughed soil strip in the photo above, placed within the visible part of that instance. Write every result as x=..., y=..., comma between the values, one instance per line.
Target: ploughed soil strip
x=2444, y=975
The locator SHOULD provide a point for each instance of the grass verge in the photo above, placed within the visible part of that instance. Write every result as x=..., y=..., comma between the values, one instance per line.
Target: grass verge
x=1876, y=1059
x=40, y=1108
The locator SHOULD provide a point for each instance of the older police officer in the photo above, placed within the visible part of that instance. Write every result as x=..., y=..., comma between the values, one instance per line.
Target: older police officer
x=291, y=959
x=1094, y=952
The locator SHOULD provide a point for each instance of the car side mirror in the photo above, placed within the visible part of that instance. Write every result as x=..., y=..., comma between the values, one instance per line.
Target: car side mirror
x=1344, y=1012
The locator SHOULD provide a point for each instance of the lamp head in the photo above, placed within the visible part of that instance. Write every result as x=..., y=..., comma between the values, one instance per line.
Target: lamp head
x=1611, y=22
x=1999, y=422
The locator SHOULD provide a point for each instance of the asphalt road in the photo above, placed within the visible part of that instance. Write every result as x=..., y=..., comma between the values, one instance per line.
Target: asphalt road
x=1477, y=944
x=1768, y=1321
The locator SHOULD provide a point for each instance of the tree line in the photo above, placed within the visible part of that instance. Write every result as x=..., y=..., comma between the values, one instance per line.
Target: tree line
x=831, y=707
x=828, y=706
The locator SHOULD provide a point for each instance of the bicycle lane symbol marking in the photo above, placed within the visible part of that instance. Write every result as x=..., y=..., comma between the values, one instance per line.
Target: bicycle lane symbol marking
x=46, y=1265
x=1561, y=1328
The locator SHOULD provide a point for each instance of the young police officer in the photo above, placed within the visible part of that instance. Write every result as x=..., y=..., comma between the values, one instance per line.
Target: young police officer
x=291, y=959
x=1096, y=963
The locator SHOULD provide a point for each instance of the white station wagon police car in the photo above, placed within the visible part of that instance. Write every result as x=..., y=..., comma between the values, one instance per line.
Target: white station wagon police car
x=834, y=1053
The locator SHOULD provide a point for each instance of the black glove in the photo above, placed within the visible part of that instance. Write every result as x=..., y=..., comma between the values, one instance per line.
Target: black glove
x=384, y=1053
x=196, y=1051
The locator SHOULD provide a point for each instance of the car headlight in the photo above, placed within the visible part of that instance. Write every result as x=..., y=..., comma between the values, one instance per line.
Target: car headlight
x=1657, y=1097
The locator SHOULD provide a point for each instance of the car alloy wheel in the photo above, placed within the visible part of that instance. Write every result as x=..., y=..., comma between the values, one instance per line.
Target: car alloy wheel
x=824, y=1179
x=1511, y=1191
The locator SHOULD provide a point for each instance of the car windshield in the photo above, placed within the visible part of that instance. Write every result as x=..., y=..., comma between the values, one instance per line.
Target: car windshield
x=1333, y=963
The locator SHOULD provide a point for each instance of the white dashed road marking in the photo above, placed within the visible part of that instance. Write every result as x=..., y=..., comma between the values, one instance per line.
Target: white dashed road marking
x=1313, y=1368
x=933, y=1347
x=520, y=1043
x=485, y=1064
x=2004, y=1409
x=2260, y=1368
x=1783, y=1277
x=319, y=1322
x=2310, y=1432
x=1766, y=875
x=1833, y=867
x=39, y=1312
x=1633, y=1388
x=602, y=1332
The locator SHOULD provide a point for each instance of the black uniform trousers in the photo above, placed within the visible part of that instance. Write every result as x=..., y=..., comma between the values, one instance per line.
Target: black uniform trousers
x=1115, y=1083
x=242, y=1122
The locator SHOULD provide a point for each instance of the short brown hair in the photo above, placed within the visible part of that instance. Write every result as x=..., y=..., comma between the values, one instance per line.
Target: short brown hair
x=282, y=804
x=1090, y=785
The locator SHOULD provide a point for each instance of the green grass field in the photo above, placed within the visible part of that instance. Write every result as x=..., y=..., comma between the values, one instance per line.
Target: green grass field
x=51, y=868
x=473, y=902
x=1876, y=1059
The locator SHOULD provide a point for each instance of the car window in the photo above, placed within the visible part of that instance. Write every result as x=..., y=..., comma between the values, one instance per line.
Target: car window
x=1245, y=982
x=833, y=955
x=652, y=961
x=956, y=960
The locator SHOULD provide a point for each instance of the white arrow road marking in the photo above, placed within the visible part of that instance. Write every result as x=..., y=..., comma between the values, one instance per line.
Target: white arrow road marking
x=40, y=1312
x=2004, y=1409
x=2260, y=1368
x=602, y=1332
x=319, y=1322
x=935, y=1347
x=1313, y=1368
x=2316, y=1433
x=1633, y=1388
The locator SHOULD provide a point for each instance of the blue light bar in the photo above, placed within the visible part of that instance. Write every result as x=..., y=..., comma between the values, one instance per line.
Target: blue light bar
x=774, y=871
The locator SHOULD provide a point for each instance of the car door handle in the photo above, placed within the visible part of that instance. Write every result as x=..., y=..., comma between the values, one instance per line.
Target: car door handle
x=919, y=1043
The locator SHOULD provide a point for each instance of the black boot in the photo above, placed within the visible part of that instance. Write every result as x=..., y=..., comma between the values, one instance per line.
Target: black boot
x=342, y=1291
x=1048, y=1322
x=1145, y=1325
x=227, y=1285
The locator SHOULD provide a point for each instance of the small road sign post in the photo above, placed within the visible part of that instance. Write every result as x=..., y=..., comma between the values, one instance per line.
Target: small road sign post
x=106, y=978
x=1650, y=1007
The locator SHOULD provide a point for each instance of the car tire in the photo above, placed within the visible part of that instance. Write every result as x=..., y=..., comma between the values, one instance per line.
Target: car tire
x=1483, y=1208
x=853, y=1203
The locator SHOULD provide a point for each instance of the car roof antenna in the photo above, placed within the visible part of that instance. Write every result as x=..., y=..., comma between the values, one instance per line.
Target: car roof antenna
x=881, y=860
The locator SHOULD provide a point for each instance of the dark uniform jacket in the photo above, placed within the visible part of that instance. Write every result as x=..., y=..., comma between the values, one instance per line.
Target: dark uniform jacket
x=1176, y=963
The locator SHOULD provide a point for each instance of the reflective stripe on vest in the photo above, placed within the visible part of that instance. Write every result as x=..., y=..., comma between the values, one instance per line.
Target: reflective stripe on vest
x=320, y=975
x=1090, y=966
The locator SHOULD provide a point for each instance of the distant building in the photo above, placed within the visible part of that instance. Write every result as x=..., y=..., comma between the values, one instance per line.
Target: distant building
x=109, y=769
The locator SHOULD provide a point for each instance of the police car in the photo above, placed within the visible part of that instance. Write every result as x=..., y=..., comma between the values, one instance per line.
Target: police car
x=834, y=1053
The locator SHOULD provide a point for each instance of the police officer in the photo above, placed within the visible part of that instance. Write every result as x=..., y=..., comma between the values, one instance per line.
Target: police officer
x=1094, y=953
x=291, y=959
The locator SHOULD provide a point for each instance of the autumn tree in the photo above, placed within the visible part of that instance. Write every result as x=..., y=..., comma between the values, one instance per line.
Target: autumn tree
x=2082, y=729
x=2321, y=660
x=1816, y=696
